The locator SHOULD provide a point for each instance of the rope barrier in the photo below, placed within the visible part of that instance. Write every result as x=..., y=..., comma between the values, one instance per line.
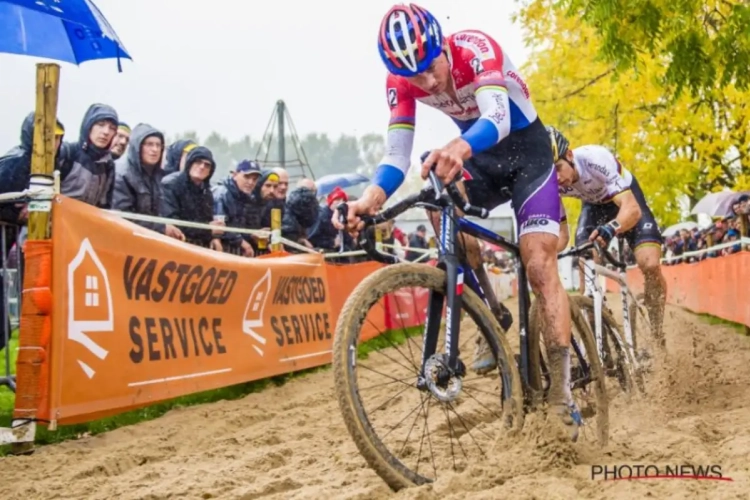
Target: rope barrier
x=25, y=195
x=275, y=235
x=44, y=193
x=695, y=253
x=720, y=246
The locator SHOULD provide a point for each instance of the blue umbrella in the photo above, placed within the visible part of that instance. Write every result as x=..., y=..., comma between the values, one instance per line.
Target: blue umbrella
x=72, y=31
x=327, y=183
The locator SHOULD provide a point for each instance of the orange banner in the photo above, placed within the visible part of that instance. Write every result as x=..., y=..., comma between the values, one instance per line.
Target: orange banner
x=140, y=317
x=342, y=279
x=716, y=286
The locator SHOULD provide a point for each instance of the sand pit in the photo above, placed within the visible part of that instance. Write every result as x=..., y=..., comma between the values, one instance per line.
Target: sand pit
x=290, y=442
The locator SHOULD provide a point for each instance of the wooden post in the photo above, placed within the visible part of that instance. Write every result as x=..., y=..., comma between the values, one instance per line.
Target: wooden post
x=43, y=153
x=42, y=164
x=276, y=245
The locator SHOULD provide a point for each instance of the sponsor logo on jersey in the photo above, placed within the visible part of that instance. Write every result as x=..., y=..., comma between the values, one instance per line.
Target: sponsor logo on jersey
x=599, y=168
x=517, y=78
x=499, y=114
x=465, y=109
x=535, y=221
x=472, y=42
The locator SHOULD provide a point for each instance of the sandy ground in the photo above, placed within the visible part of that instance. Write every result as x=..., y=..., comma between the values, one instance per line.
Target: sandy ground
x=290, y=442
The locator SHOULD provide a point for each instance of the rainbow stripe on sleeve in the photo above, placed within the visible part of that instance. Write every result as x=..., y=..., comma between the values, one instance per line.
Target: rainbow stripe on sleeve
x=490, y=82
x=401, y=123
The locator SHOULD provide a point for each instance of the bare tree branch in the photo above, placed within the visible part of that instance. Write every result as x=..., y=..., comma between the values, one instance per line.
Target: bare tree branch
x=582, y=88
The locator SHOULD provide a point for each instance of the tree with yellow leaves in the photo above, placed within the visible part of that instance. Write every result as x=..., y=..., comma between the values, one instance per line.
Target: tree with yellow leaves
x=679, y=147
x=699, y=42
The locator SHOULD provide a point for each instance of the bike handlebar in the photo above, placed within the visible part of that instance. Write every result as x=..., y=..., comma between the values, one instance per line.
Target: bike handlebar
x=427, y=194
x=455, y=194
x=577, y=251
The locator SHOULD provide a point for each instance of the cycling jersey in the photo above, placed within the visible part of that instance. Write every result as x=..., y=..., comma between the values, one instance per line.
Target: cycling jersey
x=493, y=101
x=645, y=232
x=601, y=177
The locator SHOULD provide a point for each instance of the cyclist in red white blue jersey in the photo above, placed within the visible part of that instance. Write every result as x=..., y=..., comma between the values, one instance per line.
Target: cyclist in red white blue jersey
x=502, y=154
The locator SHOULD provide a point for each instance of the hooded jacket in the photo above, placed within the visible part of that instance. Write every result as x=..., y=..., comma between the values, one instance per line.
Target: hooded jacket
x=87, y=171
x=174, y=154
x=183, y=199
x=138, y=190
x=240, y=209
x=323, y=234
x=15, y=169
x=300, y=213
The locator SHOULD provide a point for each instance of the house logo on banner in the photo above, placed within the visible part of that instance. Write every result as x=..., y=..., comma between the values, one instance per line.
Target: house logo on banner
x=89, y=302
x=253, y=317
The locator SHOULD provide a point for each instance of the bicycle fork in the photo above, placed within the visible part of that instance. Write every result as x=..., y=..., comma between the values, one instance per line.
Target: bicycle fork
x=592, y=290
x=441, y=373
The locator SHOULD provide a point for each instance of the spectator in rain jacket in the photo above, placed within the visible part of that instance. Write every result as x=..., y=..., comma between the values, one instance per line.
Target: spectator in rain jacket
x=15, y=170
x=233, y=198
x=322, y=234
x=138, y=181
x=87, y=169
x=282, y=187
x=417, y=239
x=120, y=142
x=15, y=173
x=264, y=195
x=187, y=196
x=300, y=213
x=177, y=154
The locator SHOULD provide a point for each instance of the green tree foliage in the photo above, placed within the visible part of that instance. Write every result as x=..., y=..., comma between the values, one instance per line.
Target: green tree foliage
x=679, y=147
x=700, y=42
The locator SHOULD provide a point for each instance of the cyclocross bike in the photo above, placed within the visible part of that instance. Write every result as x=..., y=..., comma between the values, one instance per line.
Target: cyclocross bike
x=617, y=346
x=438, y=378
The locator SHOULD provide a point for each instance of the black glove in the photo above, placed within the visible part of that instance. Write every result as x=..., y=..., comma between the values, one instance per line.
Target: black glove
x=606, y=232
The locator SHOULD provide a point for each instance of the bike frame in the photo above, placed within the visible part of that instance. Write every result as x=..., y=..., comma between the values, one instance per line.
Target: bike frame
x=449, y=261
x=450, y=226
x=593, y=289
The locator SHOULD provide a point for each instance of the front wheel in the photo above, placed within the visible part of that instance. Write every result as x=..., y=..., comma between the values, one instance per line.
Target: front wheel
x=458, y=429
x=618, y=362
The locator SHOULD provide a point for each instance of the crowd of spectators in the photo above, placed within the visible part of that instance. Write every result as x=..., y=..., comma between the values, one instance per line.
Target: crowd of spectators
x=112, y=166
x=133, y=170
x=726, y=230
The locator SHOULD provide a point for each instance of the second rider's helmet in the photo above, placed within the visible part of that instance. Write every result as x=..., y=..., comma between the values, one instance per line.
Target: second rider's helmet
x=410, y=39
x=560, y=144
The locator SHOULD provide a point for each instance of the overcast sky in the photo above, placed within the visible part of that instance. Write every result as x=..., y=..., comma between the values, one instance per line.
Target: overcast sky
x=222, y=65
